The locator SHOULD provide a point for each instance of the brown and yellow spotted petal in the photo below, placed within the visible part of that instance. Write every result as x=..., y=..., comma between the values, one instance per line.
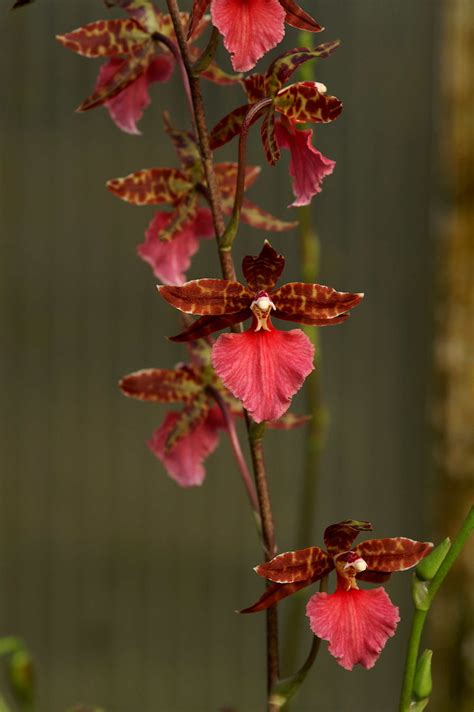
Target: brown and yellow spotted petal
x=267, y=132
x=208, y=296
x=304, y=102
x=226, y=176
x=206, y=325
x=393, y=554
x=298, y=300
x=263, y=271
x=373, y=576
x=255, y=88
x=164, y=24
x=151, y=186
x=190, y=417
x=161, y=385
x=184, y=144
x=309, y=320
x=141, y=10
x=130, y=69
x=339, y=537
x=281, y=69
x=229, y=126
x=255, y=216
x=105, y=38
x=274, y=593
x=293, y=566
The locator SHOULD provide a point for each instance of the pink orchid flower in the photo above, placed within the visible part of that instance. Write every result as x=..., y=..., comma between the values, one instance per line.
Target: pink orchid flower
x=262, y=367
x=357, y=623
x=251, y=28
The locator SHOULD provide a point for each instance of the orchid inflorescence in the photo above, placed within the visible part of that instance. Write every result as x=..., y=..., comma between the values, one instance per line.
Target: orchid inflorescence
x=252, y=373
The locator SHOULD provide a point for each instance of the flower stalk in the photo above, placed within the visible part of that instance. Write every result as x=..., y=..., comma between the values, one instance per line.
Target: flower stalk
x=255, y=432
x=423, y=595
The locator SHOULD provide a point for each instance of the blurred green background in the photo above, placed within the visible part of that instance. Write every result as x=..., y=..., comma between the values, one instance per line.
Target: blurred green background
x=123, y=585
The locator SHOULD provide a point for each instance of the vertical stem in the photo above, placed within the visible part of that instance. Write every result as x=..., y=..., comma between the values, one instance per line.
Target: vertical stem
x=256, y=440
x=228, y=272
x=411, y=659
x=225, y=257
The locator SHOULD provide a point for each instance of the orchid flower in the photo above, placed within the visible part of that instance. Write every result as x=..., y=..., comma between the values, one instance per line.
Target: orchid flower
x=263, y=367
x=298, y=103
x=357, y=623
x=172, y=238
x=251, y=28
x=187, y=437
x=136, y=59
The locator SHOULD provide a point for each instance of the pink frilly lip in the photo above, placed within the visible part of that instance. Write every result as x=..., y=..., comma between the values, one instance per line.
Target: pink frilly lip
x=264, y=369
x=356, y=623
x=249, y=27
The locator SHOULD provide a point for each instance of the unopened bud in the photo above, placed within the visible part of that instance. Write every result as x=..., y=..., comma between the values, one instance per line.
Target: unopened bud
x=428, y=567
x=423, y=684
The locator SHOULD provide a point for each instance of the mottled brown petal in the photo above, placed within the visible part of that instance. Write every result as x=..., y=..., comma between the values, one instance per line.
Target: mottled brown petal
x=281, y=69
x=310, y=320
x=132, y=67
x=298, y=300
x=255, y=87
x=297, y=17
x=190, y=417
x=267, y=132
x=392, y=554
x=151, y=186
x=293, y=566
x=263, y=271
x=184, y=143
x=274, y=593
x=339, y=537
x=105, y=38
x=141, y=10
x=373, y=576
x=206, y=325
x=304, y=102
x=208, y=296
x=255, y=216
x=161, y=385
x=226, y=176
x=229, y=126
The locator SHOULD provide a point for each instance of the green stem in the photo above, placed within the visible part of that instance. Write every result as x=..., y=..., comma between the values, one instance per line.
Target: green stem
x=423, y=606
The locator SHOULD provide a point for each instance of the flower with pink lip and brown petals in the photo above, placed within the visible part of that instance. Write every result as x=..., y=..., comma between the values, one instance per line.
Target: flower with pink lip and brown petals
x=135, y=59
x=188, y=436
x=357, y=623
x=285, y=109
x=263, y=367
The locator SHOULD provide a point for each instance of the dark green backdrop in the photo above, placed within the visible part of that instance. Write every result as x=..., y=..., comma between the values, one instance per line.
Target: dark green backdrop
x=123, y=585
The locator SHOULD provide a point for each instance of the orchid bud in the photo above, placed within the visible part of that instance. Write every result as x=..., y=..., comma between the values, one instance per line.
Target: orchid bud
x=423, y=685
x=428, y=567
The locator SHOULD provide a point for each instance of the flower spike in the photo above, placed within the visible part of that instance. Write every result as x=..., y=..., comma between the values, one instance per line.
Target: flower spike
x=357, y=623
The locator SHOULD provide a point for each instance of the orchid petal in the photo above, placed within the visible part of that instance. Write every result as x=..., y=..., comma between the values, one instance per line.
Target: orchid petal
x=356, y=623
x=250, y=28
x=264, y=369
